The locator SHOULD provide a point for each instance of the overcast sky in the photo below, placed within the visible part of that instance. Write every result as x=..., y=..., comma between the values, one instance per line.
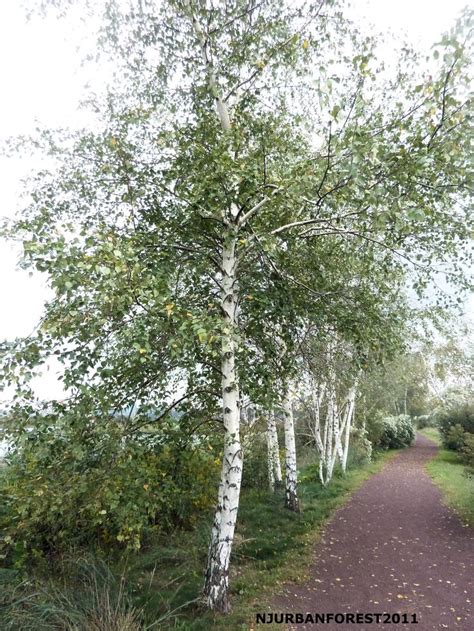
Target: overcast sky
x=41, y=82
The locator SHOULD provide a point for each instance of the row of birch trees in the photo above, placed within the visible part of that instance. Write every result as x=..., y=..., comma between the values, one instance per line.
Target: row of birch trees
x=241, y=221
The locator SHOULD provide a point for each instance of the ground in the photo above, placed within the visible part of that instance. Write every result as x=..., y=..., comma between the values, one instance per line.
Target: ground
x=394, y=547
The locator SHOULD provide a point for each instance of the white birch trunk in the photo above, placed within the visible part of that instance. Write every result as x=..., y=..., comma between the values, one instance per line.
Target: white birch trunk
x=348, y=424
x=222, y=535
x=317, y=400
x=338, y=430
x=332, y=422
x=274, y=466
x=331, y=447
x=317, y=397
x=327, y=442
x=217, y=575
x=291, y=477
x=270, y=466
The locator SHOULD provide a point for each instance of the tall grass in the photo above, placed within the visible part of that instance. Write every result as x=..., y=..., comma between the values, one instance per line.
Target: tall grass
x=87, y=597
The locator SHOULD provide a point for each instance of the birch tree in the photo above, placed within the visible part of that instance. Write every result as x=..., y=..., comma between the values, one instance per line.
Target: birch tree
x=205, y=181
x=273, y=453
x=330, y=416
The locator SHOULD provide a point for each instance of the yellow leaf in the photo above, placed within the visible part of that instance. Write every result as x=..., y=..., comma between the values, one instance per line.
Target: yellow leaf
x=169, y=309
x=305, y=44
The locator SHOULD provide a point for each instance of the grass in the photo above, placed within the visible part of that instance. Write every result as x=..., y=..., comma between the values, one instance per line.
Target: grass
x=448, y=473
x=89, y=598
x=272, y=546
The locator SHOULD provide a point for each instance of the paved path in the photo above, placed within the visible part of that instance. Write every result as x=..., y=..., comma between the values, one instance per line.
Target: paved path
x=394, y=547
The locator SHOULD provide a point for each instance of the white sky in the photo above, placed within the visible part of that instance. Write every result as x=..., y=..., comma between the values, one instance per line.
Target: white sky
x=41, y=80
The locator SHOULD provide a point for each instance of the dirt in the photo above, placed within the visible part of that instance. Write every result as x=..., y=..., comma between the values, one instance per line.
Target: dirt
x=394, y=547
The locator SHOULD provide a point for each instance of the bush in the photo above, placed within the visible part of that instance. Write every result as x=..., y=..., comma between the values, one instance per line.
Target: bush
x=405, y=430
x=425, y=420
x=96, y=486
x=374, y=427
x=461, y=415
x=397, y=432
x=467, y=453
x=455, y=438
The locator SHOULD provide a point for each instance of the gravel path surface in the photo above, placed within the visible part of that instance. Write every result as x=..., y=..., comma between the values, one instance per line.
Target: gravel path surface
x=394, y=547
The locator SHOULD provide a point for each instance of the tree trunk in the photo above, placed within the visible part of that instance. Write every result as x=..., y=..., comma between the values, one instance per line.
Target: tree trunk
x=348, y=424
x=291, y=478
x=274, y=466
x=217, y=574
x=317, y=396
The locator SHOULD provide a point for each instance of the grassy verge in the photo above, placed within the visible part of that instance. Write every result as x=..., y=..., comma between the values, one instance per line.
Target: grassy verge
x=447, y=472
x=272, y=546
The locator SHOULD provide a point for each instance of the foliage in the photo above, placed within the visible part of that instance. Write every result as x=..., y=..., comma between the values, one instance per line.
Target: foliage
x=93, y=485
x=397, y=432
x=467, y=453
x=424, y=420
x=373, y=425
x=459, y=414
x=399, y=385
x=454, y=438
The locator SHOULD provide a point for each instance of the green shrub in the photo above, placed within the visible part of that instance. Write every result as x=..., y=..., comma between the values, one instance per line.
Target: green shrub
x=374, y=427
x=425, y=420
x=461, y=414
x=467, y=453
x=64, y=487
x=397, y=432
x=388, y=438
x=405, y=430
x=455, y=438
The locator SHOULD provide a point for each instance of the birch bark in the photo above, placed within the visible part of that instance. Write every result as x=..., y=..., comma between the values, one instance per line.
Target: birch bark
x=332, y=423
x=217, y=574
x=291, y=477
x=274, y=466
x=348, y=424
x=317, y=397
